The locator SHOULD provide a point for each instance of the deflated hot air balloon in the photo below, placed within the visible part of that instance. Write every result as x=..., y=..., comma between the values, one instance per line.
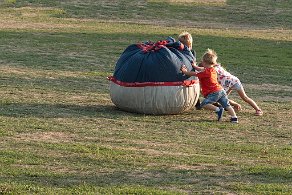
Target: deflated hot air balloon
x=147, y=79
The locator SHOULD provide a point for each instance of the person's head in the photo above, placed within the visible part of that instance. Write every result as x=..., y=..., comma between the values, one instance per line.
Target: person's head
x=210, y=57
x=186, y=39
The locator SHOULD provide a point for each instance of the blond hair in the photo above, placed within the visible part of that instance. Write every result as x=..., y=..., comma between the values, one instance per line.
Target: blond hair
x=186, y=39
x=210, y=57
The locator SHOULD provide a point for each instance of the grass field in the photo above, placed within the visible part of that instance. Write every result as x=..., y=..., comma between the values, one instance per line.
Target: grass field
x=61, y=134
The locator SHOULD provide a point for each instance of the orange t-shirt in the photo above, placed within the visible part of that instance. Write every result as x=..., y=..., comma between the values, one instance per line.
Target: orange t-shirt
x=208, y=81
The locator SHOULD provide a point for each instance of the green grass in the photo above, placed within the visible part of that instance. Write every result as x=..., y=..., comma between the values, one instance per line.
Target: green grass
x=61, y=134
x=259, y=14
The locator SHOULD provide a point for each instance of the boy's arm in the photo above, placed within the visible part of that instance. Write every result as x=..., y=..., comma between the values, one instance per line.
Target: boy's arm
x=236, y=105
x=186, y=72
x=198, y=68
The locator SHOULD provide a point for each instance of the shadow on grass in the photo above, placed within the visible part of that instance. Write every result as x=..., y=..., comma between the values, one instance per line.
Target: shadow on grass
x=59, y=110
x=23, y=110
x=188, y=180
x=19, y=110
x=63, y=85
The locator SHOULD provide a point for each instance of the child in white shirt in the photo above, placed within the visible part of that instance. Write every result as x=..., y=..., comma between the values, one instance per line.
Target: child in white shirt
x=230, y=82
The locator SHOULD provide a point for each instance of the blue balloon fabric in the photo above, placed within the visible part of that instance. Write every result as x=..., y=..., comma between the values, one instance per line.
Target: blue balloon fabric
x=154, y=62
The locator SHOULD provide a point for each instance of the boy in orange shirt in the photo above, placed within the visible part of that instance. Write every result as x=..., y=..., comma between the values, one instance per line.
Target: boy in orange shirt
x=211, y=89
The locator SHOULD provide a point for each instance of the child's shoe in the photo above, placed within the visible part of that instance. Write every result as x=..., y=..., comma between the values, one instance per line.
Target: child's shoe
x=234, y=120
x=220, y=113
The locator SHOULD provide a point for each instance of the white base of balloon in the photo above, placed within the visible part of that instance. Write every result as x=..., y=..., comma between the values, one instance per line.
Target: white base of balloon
x=156, y=100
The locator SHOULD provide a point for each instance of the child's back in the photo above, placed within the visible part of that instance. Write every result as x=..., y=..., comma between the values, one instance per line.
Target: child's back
x=225, y=78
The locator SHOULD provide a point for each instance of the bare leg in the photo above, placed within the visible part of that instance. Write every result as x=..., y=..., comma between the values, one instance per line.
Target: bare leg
x=231, y=111
x=210, y=107
x=236, y=105
x=247, y=99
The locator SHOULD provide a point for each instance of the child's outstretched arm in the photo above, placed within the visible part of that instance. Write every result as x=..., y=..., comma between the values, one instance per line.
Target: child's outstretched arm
x=185, y=71
x=198, y=68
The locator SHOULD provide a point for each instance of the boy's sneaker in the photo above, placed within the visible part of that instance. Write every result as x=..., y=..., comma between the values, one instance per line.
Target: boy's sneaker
x=220, y=113
x=234, y=120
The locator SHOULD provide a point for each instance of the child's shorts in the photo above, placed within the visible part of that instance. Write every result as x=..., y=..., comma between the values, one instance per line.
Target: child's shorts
x=219, y=96
x=237, y=86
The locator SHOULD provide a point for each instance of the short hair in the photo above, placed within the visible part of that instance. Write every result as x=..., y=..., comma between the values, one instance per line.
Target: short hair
x=210, y=56
x=186, y=39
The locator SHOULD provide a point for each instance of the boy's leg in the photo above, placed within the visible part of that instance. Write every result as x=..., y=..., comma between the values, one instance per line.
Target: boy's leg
x=219, y=111
x=208, y=104
x=217, y=104
x=233, y=118
x=210, y=107
x=226, y=104
x=231, y=111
